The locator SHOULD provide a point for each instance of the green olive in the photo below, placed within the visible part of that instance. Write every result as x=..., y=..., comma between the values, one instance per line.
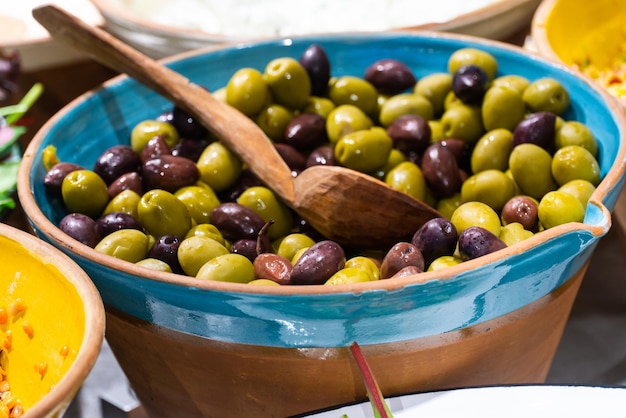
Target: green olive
x=207, y=230
x=395, y=157
x=531, y=167
x=576, y=133
x=513, y=233
x=265, y=203
x=448, y=205
x=557, y=208
x=575, y=162
x=319, y=105
x=364, y=150
x=492, y=151
x=247, y=91
x=292, y=243
x=408, y=178
x=345, y=119
x=436, y=130
x=85, y=192
x=273, y=120
x=126, y=201
x=443, y=262
x=200, y=201
x=349, y=275
x=513, y=81
x=451, y=100
x=130, y=245
x=476, y=214
x=435, y=87
x=161, y=213
x=234, y=268
x=405, y=104
x=146, y=130
x=298, y=254
x=502, y=107
x=288, y=81
x=219, y=167
x=354, y=91
x=473, y=56
x=196, y=250
x=462, y=122
x=155, y=264
x=263, y=282
x=220, y=94
x=492, y=187
x=546, y=94
x=581, y=189
x=366, y=264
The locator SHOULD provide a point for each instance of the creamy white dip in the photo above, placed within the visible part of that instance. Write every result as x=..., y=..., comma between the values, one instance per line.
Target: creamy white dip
x=249, y=18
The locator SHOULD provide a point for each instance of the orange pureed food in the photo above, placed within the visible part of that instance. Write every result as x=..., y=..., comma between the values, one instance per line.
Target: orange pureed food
x=41, y=328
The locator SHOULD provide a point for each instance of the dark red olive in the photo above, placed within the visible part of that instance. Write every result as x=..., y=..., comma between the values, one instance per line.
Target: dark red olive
x=316, y=63
x=115, y=161
x=390, y=76
x=318, y=263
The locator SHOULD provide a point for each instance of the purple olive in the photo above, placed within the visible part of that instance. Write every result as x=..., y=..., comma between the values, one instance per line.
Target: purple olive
x=154, y=148
x=410, y=133
x=115, y=161
x=186, y=125
x=165, y=248
x=324, y=155
x=306, y=131
x=436, y=238
x=294, y=158
x=129, y=181
x=476, y=241
x=390, y=76
x=80, y=227
x=190, y=148
x=318, y=263
x=114, y=221
x=537, y=128
x=441, y=171
x=237, y=221
x=316, y=63
x=469, y=84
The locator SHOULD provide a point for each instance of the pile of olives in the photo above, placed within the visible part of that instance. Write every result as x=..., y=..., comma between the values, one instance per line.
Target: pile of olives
x=491, y=153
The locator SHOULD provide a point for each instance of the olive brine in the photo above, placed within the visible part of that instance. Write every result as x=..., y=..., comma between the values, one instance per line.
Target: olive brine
x=492, y=153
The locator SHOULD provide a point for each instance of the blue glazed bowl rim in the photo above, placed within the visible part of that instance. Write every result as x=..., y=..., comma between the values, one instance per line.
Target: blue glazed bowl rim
x=614, y=178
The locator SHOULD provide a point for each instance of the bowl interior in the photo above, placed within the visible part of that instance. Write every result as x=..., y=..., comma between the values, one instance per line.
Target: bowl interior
x=54, y=321
x=107, y=116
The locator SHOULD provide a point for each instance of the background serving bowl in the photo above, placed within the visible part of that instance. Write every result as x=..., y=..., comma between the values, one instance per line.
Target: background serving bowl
x=594, y=44
x=224, y=349
x=161, y=28
x=45, y=292
x=598, y=38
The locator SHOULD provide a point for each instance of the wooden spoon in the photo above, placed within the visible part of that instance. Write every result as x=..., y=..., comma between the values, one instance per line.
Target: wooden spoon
x=352, y=208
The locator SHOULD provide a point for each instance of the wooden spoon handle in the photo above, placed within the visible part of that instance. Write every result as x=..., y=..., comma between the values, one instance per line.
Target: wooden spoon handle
x=238, y=132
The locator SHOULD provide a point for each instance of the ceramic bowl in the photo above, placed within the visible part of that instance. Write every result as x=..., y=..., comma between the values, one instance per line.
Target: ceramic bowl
x=160, y=29
x=597, y=38
x=224, y=349
x=53, y=324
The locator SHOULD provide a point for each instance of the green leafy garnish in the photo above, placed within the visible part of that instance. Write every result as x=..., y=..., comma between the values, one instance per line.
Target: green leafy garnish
x=10, y=154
